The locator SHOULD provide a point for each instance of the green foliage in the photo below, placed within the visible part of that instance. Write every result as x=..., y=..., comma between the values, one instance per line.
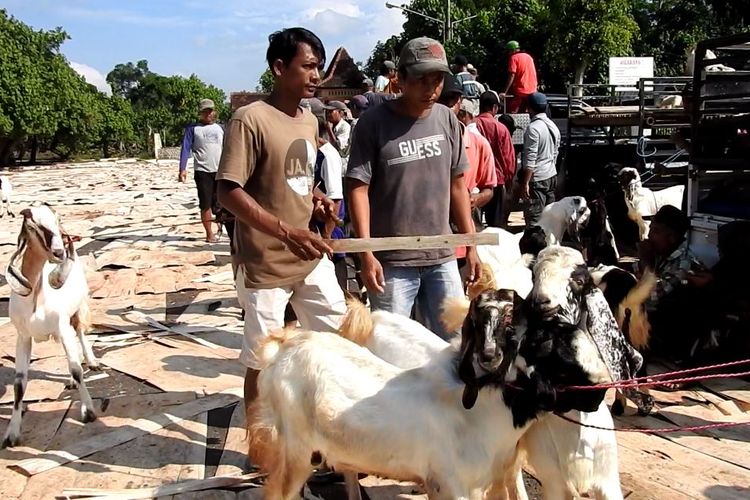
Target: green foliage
x=125, y=77
x=587, y=33
x=265, y=82
x=168, y=103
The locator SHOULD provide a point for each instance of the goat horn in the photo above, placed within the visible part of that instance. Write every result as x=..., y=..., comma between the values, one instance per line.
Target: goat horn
x=15, y=278
x=59, y=275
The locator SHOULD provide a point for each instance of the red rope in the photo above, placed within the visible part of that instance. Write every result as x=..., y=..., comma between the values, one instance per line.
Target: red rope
x=695, y=428
x=654, y=380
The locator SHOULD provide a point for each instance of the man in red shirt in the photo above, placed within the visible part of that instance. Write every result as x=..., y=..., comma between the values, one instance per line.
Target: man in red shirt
x=521, y=78
x=500, y=141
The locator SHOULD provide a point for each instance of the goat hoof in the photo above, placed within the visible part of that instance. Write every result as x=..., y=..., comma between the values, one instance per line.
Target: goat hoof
x=94, y=366
x=618, y=408
x=88, y=415
x=10, y=441
x=644, y=412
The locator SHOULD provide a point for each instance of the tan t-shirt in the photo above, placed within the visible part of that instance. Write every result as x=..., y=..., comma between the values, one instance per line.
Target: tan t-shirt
x=272, y=156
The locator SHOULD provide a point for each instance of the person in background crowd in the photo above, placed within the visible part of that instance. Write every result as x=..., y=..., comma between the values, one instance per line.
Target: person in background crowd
x=496, y=211
x=204, y=140
x=387, y=75
x=358, y=105
x=541, y=143
x=265, y=179
x=402, y=150
x=521, y=78
x=373, y=98
x=480, y=177
x=471, y=87
x=338, y=129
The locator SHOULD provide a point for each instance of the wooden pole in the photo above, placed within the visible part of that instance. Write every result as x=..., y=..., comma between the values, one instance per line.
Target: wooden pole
x=355, y=245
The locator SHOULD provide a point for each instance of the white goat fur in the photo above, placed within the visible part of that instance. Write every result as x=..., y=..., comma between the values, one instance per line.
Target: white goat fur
x=644, y=202
x=46, y=312
x=568, y=459
x=320, y=392
x=510, y=269
x=6, y=189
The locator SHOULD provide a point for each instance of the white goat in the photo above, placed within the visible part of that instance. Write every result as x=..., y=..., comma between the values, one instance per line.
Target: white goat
x=6, y=189
x=320, y=392
x=644, y=202
x=505, y=259
x=49, y=299
x=566, y=458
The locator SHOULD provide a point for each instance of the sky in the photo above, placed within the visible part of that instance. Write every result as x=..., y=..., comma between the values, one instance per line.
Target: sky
x=222, y=41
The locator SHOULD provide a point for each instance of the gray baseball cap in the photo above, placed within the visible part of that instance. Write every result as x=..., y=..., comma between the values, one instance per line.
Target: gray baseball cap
x=206, y=104
x=315, y=105
x=423, y=55
x=335, y=105
x=367, y=82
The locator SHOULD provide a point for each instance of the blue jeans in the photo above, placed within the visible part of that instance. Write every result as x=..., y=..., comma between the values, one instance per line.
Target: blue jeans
x=426, y=286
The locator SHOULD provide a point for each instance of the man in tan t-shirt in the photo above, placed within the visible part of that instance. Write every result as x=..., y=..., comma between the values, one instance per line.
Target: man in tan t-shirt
x=266, y=180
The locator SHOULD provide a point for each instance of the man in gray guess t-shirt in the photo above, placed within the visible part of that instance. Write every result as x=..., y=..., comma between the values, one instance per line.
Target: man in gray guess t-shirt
x=406, y=179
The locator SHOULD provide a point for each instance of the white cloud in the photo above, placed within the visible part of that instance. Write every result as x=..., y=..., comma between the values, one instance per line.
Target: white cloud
x=92, y=76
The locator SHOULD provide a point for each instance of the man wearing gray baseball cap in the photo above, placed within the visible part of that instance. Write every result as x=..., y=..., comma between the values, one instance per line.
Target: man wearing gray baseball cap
x=406, y=168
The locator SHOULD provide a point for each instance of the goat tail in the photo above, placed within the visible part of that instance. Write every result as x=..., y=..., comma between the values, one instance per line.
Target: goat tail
x=267, y=351
x=639, y=330
x=357, y=325
x=454, y=313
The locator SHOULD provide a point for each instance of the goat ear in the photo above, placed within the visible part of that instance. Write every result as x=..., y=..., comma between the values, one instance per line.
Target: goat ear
x=581, y=279
x=466, y=365
x=26, y=212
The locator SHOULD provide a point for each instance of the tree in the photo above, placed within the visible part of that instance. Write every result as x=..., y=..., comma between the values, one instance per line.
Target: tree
x=168, y=103
x=585, y=33
x=265, y=82
x=125, y=77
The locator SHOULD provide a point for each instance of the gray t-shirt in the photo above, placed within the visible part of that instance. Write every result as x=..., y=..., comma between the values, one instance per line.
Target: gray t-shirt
x=409, y=164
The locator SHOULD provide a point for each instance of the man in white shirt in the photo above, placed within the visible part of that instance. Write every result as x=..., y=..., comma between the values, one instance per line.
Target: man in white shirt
x=383, y=81
x=339, y=129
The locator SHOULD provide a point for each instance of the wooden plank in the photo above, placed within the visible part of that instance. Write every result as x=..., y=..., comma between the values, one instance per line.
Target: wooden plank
x=40, y=422
x=727, y=451
x=386, y=489
x=47, y=379
x=684, y=472
x=234, y=456
x=114, y=283
x=733, y=388
x=164, y=490
x=145, y=259
x=413, y=242
x=115, y=437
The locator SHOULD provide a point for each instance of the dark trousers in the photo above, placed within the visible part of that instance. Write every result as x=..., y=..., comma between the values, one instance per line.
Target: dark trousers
x=541, y=194
x=495, y=212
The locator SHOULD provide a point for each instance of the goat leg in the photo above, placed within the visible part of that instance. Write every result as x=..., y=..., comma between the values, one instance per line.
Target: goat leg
x=23, y=358
x=351, y=480
x=68, y=337
x=88, y=354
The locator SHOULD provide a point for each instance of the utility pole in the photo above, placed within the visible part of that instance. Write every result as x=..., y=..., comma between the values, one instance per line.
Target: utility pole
x=448, y=23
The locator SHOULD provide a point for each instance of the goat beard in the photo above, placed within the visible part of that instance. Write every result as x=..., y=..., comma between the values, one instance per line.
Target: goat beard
x=59, y=275
x=13, y=275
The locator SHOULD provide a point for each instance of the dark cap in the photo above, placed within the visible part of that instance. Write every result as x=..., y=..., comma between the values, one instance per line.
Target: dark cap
x=335, y=105
x=460, y=60
x=451, y=87
x=537, y=100
x=673, y=218
x=423, y=55
x=315, y=105
x=489, y=98
x=359, y=102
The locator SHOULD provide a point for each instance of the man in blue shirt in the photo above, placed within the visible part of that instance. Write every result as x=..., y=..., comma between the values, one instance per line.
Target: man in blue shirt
x=204, y=141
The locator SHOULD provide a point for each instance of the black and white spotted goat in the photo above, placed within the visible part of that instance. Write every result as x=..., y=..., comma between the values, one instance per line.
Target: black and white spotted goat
x=49, y=299
x=321, y=392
